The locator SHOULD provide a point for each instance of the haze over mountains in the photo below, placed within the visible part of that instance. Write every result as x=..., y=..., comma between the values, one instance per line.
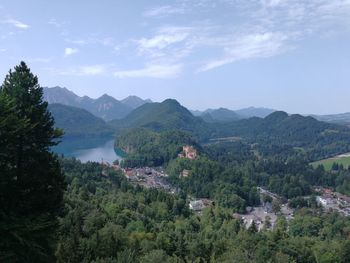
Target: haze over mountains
x=84, y=116
x=109, y=108
x=277, y=132
x=105, y=107
x=77, y=122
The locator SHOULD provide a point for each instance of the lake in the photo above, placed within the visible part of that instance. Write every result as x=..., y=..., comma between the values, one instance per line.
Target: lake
x=88, y=149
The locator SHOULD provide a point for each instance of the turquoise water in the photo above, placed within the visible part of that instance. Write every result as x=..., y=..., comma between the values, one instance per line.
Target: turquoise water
x=88, y=149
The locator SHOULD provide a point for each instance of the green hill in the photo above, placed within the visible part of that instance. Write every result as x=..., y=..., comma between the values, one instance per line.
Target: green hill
x=78, y=122
x=220, y=115
x=318, y=139
x=167, y=115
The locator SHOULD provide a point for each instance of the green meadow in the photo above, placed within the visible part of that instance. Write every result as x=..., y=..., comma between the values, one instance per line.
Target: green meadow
x=327, y=163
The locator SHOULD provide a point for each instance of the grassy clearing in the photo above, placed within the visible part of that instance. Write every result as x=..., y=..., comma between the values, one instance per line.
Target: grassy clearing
x=327, y=163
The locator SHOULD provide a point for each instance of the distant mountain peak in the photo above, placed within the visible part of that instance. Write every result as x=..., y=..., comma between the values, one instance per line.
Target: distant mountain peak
x=106, y=106
x=251, y=111
x=106, y=97
x=277, y=116
x=171, y=101
x=134, y=101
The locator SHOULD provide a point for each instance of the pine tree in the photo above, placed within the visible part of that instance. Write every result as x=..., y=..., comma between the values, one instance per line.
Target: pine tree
x=31, y=180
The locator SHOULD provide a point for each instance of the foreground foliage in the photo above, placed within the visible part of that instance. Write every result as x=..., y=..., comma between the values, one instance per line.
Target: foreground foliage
x=108, y=220
x=31, y=186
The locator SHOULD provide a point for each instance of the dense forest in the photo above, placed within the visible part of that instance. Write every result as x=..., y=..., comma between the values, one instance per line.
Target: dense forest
x=54, y=209
x=106, y=219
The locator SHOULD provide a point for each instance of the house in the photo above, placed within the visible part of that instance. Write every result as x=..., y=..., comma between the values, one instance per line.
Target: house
x=185, y=173
x=128, y=172
x=322, y=201
x=197, y=205
x=200, y=204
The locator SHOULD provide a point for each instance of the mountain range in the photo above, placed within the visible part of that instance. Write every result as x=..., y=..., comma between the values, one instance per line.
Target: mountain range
x=83, y=116
x=277, y=130
x=224, y=115
x=109, y=108
x=105, y=107
x=342, y=118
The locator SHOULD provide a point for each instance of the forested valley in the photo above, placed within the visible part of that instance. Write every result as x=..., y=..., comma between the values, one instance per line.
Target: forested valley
x=57, y=209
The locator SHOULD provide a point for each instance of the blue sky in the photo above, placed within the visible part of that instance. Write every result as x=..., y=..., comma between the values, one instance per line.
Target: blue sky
x=291, y=55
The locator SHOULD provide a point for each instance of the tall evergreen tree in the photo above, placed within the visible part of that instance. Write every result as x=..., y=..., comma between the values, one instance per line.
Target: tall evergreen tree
x=31, y=181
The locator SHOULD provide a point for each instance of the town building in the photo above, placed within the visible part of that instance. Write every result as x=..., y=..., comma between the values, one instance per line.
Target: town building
x=200, y=204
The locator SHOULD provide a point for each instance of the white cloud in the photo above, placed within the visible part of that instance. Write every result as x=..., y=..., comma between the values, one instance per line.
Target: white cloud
x=168, y=44
x=88, y=70
x=271, y=3
x=250, y=46
x=165, y=10
x=55, y=23
x=152, y=71
x=93, y=70
x=68, y=51
x=105, y=41
x=16, y=23
x=3, y=49
x=161, y=41
x=78, y=41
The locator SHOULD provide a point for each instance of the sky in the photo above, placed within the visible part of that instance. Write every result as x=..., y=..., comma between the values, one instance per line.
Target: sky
x=290, y=55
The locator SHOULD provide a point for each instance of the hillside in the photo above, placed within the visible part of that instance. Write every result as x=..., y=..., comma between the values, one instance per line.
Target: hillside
x=167, y=115
x=342, y=118
x=105, y=107
x=276, y=133
x=315, y=137
x=220, y=115
x=254, y=112
x=225, y=115
x=149, y=148
x=78, y=122
x=134, y=101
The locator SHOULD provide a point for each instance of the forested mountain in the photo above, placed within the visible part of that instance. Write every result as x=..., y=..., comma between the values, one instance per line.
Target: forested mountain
x=310, y=135
x=244, y=113
x=254, y=112
x=342, y=118
x=220, y=115
x=105, y=107
x=78, y=122
x=167, y=115
x=108, y=108
x=134, y=101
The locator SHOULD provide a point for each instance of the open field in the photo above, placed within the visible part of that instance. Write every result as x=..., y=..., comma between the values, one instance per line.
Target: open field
x=343, y=159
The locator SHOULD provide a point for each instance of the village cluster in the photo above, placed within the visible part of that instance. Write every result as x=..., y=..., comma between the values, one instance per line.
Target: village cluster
x=333, y=201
